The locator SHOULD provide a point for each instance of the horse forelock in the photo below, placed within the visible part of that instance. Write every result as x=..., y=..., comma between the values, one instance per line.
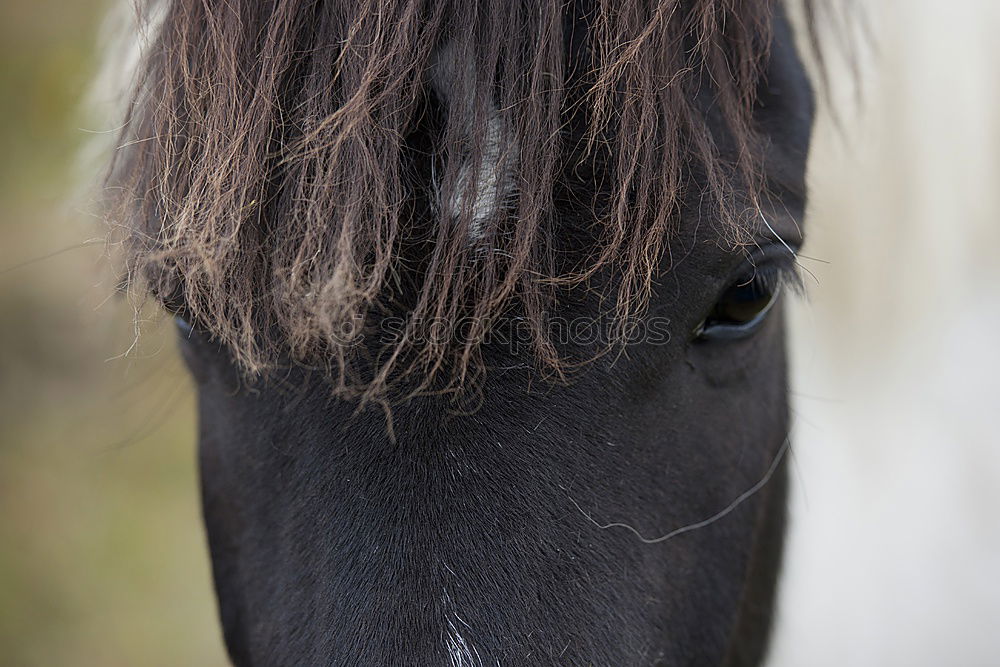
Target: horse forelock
x=289, y=169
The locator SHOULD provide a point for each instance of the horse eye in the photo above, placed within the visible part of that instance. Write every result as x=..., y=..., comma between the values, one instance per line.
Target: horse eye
x=740, y=310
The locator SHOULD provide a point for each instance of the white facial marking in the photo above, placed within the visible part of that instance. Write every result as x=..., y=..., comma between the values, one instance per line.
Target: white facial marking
x=489, y=182
x=482, y=185
x=461, y=653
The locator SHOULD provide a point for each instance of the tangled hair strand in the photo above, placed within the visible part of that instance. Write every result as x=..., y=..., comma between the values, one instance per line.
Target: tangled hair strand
x=283, y=163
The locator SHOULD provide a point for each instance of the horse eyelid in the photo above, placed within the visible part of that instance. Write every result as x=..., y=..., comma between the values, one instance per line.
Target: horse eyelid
x=775, y=268
x=779, y=275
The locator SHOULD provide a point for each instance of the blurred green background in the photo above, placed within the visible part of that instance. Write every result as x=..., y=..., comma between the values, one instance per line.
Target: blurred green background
x=102, y=556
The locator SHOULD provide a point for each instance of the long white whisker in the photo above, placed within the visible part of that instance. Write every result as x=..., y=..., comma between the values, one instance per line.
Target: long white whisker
x=743, y=497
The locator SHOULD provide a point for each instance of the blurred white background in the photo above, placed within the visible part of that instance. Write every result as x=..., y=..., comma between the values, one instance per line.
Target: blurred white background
x=895, y=544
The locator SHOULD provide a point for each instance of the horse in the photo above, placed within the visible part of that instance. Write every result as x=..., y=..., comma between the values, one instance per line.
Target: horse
x=483, y=304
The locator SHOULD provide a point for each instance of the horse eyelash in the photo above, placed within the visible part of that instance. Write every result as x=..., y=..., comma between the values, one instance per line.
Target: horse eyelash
x=773, y=275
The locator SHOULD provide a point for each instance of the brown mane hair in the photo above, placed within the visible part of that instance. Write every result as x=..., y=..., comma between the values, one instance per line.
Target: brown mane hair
x=269, y=185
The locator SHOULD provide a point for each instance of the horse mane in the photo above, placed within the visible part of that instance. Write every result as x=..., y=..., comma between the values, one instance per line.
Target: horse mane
x=291, y=170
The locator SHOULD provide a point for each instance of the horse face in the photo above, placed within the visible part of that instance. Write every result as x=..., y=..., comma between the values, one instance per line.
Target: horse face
x=632, y=515
x=598, y=521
